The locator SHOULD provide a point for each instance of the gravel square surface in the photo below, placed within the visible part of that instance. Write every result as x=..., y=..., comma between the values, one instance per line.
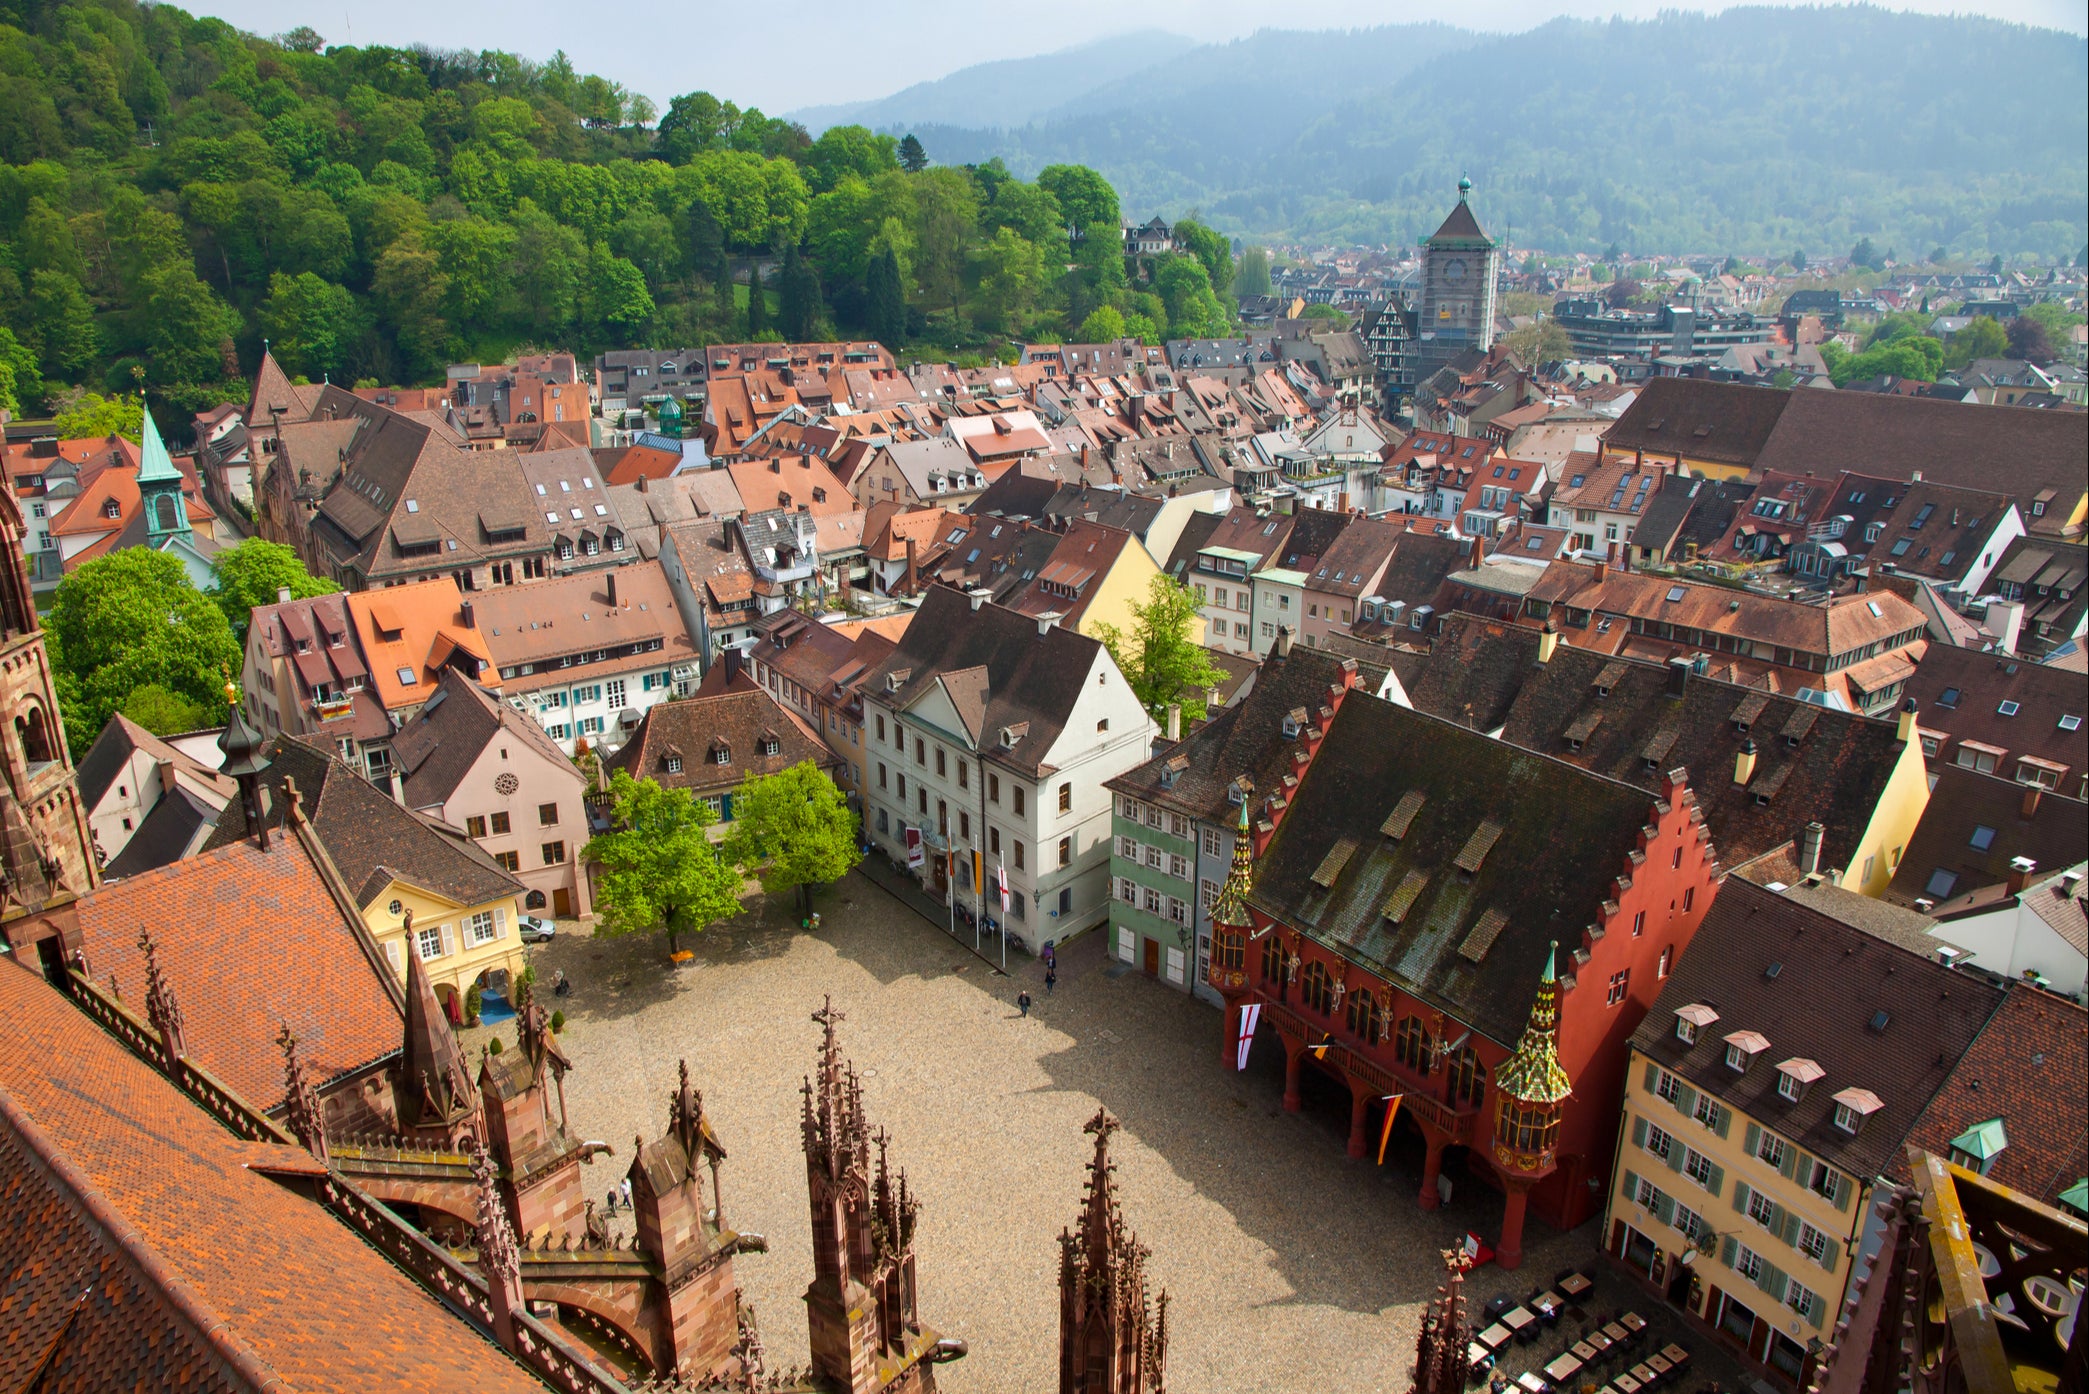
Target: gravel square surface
x=1288, y=1266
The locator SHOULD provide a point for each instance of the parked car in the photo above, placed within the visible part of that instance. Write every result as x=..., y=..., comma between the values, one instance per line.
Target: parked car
x=534, y=930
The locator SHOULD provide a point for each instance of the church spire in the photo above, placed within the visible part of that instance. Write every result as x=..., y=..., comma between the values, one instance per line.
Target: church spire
x=1231, y=906
x=160, y=494
x=1111, y=1339
x=434, y=1092
x=1534, y=1075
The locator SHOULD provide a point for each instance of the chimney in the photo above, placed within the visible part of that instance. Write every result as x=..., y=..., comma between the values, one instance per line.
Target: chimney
x=2028, y=809
x=1602, y=572
x=642, y=484
x=612, y=579
x=733, y=659
x=1906, y=728
x=1282, y=648
x=1810, y=849
x=1174, y=724
x=1548, y=640
x=283, y=596
x=2020, y=869
x=908, y=582
x=2070, y=882
x=465, y=612
x=1479, y=552
x=1678, y=676
x=1744, y=763
x=979, y=597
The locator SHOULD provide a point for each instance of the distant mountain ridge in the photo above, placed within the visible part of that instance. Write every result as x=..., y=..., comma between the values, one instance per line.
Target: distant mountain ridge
x=1756, y=131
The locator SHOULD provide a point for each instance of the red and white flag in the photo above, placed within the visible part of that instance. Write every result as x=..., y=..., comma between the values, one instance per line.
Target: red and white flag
x=1250, y=1016
x=1001, y=886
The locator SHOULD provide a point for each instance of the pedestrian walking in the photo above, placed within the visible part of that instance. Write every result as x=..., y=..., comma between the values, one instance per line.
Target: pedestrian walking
x=1051, y=979
x=627, y=1195
x=1022, y=1002
x=559, y=986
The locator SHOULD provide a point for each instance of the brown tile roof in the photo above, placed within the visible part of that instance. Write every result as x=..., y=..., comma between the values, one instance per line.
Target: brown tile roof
x=694, y=730
x=538, y=625
x=249, y=939
x=427, y=618
x=1962, y=692
x=2029, y=1068
x=146, y=1247
x=1073, y=576
x=1967, y=810
x=1563, y=836
x=370, y=838
x=1702, y=420
x=438, y=748
x=1832, y=982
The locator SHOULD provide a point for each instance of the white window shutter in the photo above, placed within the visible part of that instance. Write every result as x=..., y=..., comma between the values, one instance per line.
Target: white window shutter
x=500, y=922
x=391, y=952
x=449, y=942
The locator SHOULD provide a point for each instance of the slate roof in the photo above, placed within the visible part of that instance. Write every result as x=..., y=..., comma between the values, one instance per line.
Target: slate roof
x=1967, y=808
x=692, y=728
x=148, y=1247
x=1833, y=982
x=2048, y=576
x=2029, y=1068
x=105, y=759
x=1812, y=764
x=1031, y=677
x=1961, y=693
x=1559, y=837
x=165, y=835
x=370, y=838
x=438, y=748
x=1727, y=423
x=1354, y=559
x=1195, y=776
x=247, y=940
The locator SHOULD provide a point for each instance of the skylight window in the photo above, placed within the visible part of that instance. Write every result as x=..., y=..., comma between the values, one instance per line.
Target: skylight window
x=1948, y=698
x=1876, y=612
x=413, y=505
x=1983, y=838
x=2009, y=709
x=2070, y=723
x=1675, y=593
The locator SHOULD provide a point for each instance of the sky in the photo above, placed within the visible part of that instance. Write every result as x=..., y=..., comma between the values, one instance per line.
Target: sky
x=816, y=52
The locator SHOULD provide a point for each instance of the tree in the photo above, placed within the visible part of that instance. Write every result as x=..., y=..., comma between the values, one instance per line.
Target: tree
x=1994, y=267
x=310, y=323
x=888, y=299
x=1799, y=259
x=799, y=312
x=757, y=305
x=93, y=417
x=1086, y=199
x=1253, y=276
x=257, y=572
x=167, y=713
x=1982, y=338
x=1010, y=275
x=794, y=830
x=1621, y=293
x=659, y=869
x=912, y=158
x=20, y=382
x=1543, y=342
x=2028, y=340
x=1104, y=325
x=1208, y=247
x=129, y=619
x=1161, y=657
x=1864, y=255
x=1194, y=311
x=60, y=326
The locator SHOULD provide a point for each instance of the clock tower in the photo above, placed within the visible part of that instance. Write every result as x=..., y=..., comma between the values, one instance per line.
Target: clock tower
x=1456, y=312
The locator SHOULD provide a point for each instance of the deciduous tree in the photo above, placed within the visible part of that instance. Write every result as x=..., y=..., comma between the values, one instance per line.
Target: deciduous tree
x=1160, y=657
x=794, y=830
x=131, y=618
x=660, y=872
x=257, y=572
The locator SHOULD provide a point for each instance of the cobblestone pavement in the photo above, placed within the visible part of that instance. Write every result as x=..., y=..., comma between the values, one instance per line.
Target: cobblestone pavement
x=1288, y=1266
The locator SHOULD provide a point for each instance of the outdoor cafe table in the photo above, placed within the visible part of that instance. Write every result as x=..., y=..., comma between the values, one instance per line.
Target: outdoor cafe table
x=1616, y=1332
x=1675, y=1355
x=1477, y=1355
x=1574, y=1285
x=1633, y=1322
x=1518, y=1319
x=1563, y=1367
x=1494, y=1337
x=1625, y=1384
x=1601, y=1340
x=1642, y=1374
x=1530, y=1383
x=1548, y=1305
x=1584, y=1351
x=1658, y=1364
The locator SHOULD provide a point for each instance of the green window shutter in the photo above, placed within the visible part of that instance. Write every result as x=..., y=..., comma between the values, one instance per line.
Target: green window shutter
x=1631, y=1186
x=1831, y=1255
x=1727, y=1246
x=1718, y=1180
x=1740, y=1197
x=1639, y=1132
x=1675, y=1154
x=1774, y=1282
x=1790, y=1163
x=1843, y=1186
x=1653, y=1076
x=1722, y=1119
x=1755, y=1135
x=1686, y=1099
x=1790, y=1223
x=1665, y=1207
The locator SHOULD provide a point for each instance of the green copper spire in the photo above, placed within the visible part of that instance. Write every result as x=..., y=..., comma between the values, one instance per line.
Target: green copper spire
x=159, y=490
x=156, y=464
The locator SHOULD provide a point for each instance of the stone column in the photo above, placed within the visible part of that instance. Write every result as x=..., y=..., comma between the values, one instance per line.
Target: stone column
x=1359, y=1110
x=1229, y=1035
x=1509, y=1252
x=1294, y=1060
x=1432, y=1167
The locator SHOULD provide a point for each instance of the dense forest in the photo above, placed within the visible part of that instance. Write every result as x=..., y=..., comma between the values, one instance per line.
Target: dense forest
x=1749, y=131
x=173, y=192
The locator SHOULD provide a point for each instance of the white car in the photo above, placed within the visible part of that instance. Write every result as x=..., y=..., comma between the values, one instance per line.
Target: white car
x=533, y=930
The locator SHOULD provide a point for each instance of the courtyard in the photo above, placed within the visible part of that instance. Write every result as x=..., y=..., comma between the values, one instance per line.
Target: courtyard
x=1288, y=1266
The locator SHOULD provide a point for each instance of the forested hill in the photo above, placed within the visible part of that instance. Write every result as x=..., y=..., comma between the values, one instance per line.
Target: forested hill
x=1750, y=131
x=173, y=192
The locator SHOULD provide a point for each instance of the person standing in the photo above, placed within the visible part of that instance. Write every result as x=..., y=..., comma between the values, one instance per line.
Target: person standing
x=1022, y=1002
x=1051, y=979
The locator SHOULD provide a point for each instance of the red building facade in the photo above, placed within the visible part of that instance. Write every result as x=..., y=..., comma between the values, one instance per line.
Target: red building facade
x=1394, y=923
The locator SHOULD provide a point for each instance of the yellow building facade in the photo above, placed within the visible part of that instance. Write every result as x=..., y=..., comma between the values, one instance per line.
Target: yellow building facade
x=459, y=945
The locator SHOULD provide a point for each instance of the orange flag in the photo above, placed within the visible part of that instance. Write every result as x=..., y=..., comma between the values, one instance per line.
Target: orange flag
x=1385, y=1134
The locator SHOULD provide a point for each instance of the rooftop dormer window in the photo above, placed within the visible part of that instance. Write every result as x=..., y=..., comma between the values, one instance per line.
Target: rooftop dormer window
x=1853, y=1107
x=1741, y=1049
x=1692, y=1019
x=1794, y=1077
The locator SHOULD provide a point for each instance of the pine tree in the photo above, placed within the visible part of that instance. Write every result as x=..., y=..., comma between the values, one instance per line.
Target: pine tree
x=912, y=158
x=800, y=287
x=757, y=304
x=888, y=302
x=722, y=282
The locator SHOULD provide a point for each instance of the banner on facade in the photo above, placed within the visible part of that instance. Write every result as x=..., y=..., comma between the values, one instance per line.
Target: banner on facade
x=917, y=856
x=978, y=872
x=1385, y=1133
x=1250, y=1017
x=1001, y=885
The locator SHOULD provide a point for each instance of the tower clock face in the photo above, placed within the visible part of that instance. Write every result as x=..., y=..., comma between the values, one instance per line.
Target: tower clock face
x=1454, y=269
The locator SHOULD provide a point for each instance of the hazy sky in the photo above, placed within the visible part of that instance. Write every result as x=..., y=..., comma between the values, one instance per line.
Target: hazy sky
x=812, y=52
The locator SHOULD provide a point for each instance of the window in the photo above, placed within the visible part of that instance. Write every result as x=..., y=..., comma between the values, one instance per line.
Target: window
x=993, y=841
x=1801, y=1300
x=1698, y=1167
x=993, y=788
x=481, y=926
x=554, y=853
x=941, y=772
x=592, y=726
x=1690, y=1223
x=1015, y=793
x=1668, y=1086
x=1017, y=848
x=1940, y=884
x=1661, y=1144
x=1639, y=921
x=1847, y=1118
x=547, y=815
x=1737, y=1059
x=1686, y=1030
x=1813, y=1243
x=1761, y=1209
x=475, y=826
x=1748, y=1263
x=1127, y=890
x=2008, y=709
x=1983, y=838
x=1467, y=1078
x=1667, y=962
x=500, y=824
x=428, y=941
x=1826, y=1183
x=1066, y=851
x=1791, y=1089
x=1973, y=758
x=881, y=727
x=1618, y=982
x=1066, y=798
x=615, y=688
x=1178, y=866
x=1707, y=1112
x=964, y=774
x=1647, y=1196
x=1211, y=843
